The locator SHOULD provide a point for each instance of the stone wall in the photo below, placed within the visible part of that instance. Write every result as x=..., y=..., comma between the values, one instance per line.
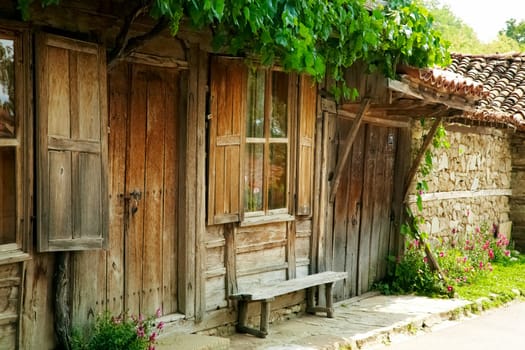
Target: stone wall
x=470, y=185
x=517, y=202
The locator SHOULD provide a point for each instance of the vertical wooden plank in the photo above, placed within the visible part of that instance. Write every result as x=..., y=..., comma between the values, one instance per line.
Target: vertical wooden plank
x=200, y=201
x=134, y=238
x=316, y=217
x=290, y=249
x=88, y=286
x=354, y=214
x=169, y=226
x=58, y=91
x=152, y=197
x=330, y=166
x=340, y=212
x=323, y=197
x=60, y=206
x=188, y=184
x=377, y=195
x=389, y=158
x=37, y=322
x=88, y=99
x=401, y=165
x=90, y=205
x=230, y=259
x=118, y=118
x=366, y=211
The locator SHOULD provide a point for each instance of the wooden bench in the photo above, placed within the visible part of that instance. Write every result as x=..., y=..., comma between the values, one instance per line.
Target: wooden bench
x=265, y=294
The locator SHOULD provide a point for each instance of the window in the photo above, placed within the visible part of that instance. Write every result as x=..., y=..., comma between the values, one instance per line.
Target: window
x=261, y=124
x=266, y=155
x=14, y=189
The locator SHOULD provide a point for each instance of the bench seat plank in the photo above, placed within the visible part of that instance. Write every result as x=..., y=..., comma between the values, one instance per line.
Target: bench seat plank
x=280, y=288
x=265, y=294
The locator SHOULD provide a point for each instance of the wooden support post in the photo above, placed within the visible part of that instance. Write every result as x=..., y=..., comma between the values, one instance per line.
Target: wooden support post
x=329, y=300
x=265, y=316
x=242, y=315
x=415, y=165
x=310, y=300
x=365, y=104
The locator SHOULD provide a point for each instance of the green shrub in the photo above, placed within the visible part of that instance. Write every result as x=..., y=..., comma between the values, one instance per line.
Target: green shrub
x=463, y=259
x=119, y=333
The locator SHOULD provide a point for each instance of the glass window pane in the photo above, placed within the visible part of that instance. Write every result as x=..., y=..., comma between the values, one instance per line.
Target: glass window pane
x=253, y=177
x=279, y=117
x=255, y=106
x=7, y=89
x=7, y=195
x=277, y=178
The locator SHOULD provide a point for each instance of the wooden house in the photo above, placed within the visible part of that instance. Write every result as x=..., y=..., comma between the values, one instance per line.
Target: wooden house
x=155, y=173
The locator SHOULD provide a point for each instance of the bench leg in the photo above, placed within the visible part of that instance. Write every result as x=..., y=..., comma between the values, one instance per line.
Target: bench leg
x=310, y=300
x=242, y=316
x=329, y=300
x=265, y=316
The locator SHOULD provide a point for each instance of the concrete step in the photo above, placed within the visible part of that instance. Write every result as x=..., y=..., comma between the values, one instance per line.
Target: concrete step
x=192, y=342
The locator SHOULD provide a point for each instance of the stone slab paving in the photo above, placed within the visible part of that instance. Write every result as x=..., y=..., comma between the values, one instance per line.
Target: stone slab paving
x=192, y=342
x=358, y=323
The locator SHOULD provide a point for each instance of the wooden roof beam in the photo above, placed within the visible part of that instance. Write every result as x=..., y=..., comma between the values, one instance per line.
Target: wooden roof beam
x=365, y=104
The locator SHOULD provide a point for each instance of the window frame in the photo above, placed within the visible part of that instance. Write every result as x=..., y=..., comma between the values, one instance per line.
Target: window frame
x=227, y=121
x=279, y=214
x=286, y=213
x=22, y=142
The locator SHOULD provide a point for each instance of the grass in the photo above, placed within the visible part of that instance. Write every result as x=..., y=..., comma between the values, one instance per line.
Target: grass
x=499, y=286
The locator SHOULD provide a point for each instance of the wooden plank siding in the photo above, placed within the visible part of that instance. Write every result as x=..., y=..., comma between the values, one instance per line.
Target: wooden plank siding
x=10, y=293
x=358, y=224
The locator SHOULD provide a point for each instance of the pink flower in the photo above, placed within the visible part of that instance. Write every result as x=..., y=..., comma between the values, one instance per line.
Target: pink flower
x=158, y=313
x=140, y=332
x=160, y=325
x=450, y=289
x=507, y=252
x=425, y=260
x=151, y=347
x=153, y=337
x=454, y=231
x=477, y=229
x=465, y=259
x=441, y=254
x=468, y=212
x=481, y=265
x=491, y=254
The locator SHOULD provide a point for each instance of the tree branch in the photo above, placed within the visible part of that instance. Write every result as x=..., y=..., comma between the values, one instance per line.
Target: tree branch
x=134, y=43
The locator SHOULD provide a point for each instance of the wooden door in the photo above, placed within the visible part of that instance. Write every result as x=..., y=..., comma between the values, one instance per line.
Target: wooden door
x=144, y=104
x=360, y=233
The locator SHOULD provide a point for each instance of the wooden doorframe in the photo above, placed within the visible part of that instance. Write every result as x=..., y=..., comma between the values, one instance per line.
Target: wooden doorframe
x=192, y=182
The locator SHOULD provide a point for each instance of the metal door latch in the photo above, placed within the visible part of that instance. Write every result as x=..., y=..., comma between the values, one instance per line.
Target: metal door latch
x=133, y=197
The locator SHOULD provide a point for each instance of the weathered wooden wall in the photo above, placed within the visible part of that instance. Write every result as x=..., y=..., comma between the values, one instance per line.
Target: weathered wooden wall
x=517, y=200
x=360, y=233
x=10, y=294
x=238, y=257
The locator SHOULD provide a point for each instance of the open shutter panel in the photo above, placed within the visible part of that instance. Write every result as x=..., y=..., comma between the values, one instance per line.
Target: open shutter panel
x=227, y=107
x=305, y=170
x=72, y=144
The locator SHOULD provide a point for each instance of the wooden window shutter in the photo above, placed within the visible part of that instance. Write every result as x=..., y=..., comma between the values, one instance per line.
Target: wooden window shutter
x=228, y=110
x=305, y=165
x=72, y=203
